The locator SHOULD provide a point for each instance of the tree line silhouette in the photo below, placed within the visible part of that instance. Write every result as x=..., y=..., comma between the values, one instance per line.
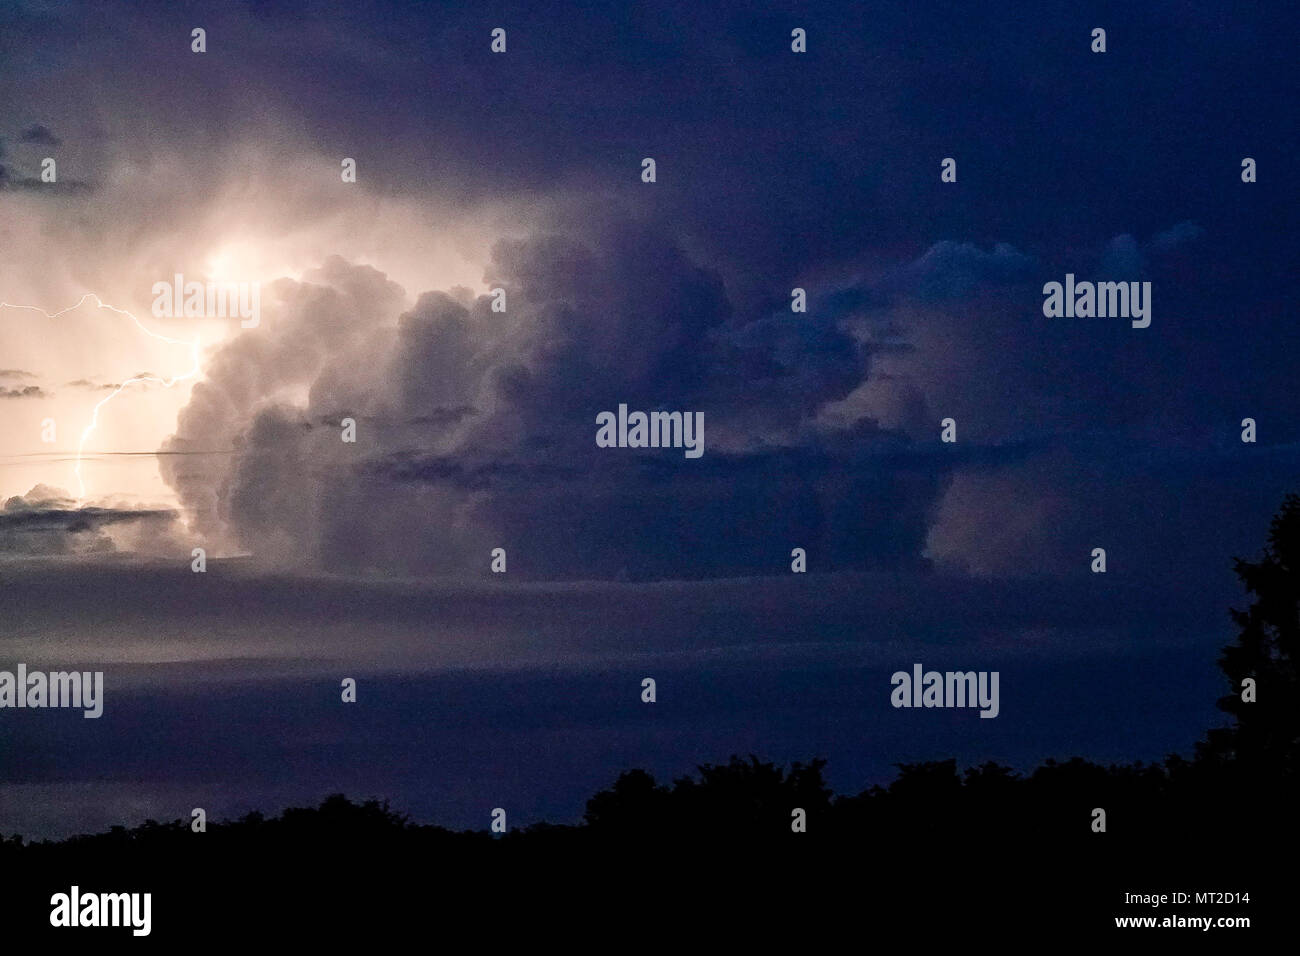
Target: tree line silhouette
x=937, y=841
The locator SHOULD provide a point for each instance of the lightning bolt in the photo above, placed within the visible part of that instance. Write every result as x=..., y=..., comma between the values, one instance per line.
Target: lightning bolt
x=165, y=383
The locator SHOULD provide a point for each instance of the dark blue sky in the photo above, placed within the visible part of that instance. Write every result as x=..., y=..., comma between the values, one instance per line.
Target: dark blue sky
x=774, y=170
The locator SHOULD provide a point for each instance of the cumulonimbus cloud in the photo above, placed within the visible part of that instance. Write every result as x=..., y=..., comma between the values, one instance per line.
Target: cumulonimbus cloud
x=476, y=429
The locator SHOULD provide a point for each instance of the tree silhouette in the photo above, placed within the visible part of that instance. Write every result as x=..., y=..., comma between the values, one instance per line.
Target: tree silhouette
x=745, y=797
x=634, y=804
x=1263, y=741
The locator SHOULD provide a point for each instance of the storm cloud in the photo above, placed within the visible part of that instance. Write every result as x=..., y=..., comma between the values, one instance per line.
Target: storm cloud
x=476, y=429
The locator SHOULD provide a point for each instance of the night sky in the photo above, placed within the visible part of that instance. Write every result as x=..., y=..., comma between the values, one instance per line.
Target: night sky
x=476, y=428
